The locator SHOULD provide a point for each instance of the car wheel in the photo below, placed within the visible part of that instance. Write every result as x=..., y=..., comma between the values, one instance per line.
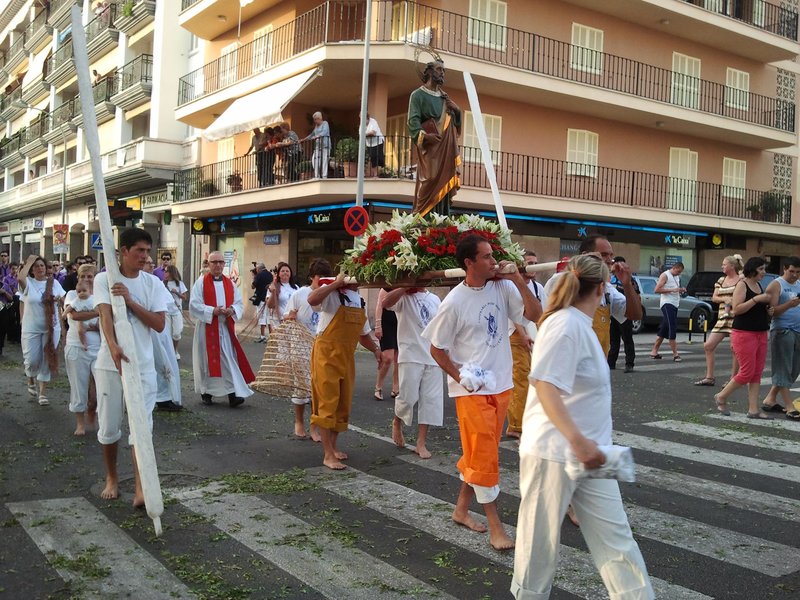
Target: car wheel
x=638, y=325
x=700, y=316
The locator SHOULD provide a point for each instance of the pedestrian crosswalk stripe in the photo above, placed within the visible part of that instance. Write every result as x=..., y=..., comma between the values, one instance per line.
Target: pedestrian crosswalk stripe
x=713, y=491
x=736, y=548
x=59, y=528
x=779, y=422
x=709, y=457
x=576, y=572
x=728, y=435
x=319, y=560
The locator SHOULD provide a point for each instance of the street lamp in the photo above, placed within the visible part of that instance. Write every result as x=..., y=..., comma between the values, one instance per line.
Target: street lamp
x=70, y=127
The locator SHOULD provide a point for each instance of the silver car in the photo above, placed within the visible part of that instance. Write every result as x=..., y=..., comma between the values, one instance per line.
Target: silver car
x=691, y=309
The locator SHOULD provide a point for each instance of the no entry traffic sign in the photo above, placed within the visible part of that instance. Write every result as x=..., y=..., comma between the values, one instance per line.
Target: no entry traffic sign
x=356, y=220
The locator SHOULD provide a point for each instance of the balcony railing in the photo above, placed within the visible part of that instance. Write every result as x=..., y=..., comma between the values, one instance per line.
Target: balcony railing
x=187, y=3
x=7, y=100
x=102, y=22
x=139, y=70
x=39, y=21
x=18, y=45
x=61, y=114
x=764, y=15
x=101, y=92
x=11, y=145
x=519, y=173
x=35, y=130
x=342, y=21
x=62, y=55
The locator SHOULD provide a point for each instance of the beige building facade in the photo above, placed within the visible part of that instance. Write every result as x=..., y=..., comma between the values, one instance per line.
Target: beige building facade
x=668, y=126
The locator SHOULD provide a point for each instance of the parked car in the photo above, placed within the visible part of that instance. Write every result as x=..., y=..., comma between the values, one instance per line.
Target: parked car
x=691, y=308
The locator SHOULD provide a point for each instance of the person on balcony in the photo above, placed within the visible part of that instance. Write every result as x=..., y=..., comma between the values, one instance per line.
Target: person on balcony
x=322, y=146
x=434, y=123
x=258, y=144
x=375, y=147
x=291, y=152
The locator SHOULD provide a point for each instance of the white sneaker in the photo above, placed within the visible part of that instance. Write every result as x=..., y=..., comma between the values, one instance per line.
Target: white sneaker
x=177, y=356
x=43, y=401
x=32, y=390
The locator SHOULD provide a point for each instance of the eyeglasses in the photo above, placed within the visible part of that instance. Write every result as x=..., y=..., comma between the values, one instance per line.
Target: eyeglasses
x=166, y=258
x=216, y=262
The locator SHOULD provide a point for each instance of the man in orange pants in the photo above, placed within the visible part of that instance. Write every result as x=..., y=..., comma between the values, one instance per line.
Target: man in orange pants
x=342, y=325
x=469, y=341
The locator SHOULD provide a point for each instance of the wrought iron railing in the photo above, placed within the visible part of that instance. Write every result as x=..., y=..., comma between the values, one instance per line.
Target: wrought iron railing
x=39, y=21
x=101, y=92
x=187, y=3
x=139, y=70
x=342, y=21
x=8, y=99
x=519, y=173
x=56, y=5
x=62, y=55
x=18, y=45
x=63, y=113
x=35, y=130
x=779, y=20
x=11, y=145
x=102, y=22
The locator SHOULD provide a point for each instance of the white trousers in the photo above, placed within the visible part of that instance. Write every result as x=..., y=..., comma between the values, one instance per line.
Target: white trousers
x=110, y=405
x=79, y=363
x=422, y=386
x=263, y=313
x=546, y=492
x=319, y=159
x=175, y=324
x=33, y=354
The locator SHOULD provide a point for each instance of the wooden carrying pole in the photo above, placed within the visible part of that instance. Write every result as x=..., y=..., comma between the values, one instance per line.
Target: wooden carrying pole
x=131, y=379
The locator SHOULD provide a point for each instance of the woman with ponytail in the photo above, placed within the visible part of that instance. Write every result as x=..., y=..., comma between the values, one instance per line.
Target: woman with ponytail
x=569, y=409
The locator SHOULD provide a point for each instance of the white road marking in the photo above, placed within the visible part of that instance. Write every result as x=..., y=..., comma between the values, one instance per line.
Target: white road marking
x=318, y=560
x=727, y=435
x=67, y=529
x=779, y=422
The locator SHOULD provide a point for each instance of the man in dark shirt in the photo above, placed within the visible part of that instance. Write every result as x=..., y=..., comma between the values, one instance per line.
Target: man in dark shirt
x=261, y=282
x=71, y=280
x=622, y=331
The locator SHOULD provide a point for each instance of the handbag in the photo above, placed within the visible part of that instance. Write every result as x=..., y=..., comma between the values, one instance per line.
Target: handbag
x=254, y=300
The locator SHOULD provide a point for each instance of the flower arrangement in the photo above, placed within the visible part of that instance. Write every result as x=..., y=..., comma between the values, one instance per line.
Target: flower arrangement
x=409, y=245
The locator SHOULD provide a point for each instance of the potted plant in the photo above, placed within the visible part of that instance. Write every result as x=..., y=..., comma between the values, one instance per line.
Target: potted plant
x=770, y=207
x=234, y=181
x=346, y=155
x=207, y=188
x=305, y=168
x=127, y=8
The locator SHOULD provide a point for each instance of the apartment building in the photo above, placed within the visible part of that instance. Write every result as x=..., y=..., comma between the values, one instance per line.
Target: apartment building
x=667, y=125
x=45, y=171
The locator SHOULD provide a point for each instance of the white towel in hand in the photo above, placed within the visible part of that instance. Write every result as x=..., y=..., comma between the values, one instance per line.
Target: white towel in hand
x=472, y=377
x=619, y=465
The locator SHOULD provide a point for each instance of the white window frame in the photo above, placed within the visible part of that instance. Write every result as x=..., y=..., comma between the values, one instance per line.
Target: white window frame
x=493, y=124
x=262, y=49
x=582, y=150
x=737, y=89
x=398, y=145
x=682, y=193
x=486, y=25
x=228, y=63
x=685, y=80
x=586, y=50
x=734, y=178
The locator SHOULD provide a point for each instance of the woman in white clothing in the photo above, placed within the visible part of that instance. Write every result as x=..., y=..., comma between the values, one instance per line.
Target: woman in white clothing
x=80, y=353
x=179, y=293
x=280, y=290
x=569, y=408
x=41, y=330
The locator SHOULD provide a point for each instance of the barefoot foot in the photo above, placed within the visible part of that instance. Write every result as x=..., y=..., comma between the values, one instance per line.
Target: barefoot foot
x=334, y=464
x=300, y=431
x=500, y=541
x=138, y=501
x=111, y=491
x=340, y=455
x=470, y=523
x=422, y=451
x=315, y=435
x=79, y=431
x=572, y=516
x=397, y=433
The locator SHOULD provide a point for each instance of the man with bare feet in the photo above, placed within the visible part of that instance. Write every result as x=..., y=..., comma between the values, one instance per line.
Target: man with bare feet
x=342, y=325
x=420, y=376
x=147, y=309
x=469, y=341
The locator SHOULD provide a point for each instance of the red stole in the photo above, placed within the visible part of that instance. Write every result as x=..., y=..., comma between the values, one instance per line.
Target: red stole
x=212, y=331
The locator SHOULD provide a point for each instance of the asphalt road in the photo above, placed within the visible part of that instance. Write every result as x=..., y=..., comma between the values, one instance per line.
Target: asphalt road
x=251, y=515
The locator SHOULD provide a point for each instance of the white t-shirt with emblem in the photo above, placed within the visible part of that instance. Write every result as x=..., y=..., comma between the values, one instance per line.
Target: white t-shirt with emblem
x=145, y=289
x=327, y=308
x=472, y=326
x=306, y=315
x=414, y=312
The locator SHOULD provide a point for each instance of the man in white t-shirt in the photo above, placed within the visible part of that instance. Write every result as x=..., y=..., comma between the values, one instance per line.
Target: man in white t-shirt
x=420, y=376
x=342, y=325
x=469, y=341
x=146, y=303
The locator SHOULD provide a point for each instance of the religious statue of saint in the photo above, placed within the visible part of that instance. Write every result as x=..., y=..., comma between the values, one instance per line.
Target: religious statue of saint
x=434, y=123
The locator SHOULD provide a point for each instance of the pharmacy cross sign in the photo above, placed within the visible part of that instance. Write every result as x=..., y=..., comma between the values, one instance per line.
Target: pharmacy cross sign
x=356, y=220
